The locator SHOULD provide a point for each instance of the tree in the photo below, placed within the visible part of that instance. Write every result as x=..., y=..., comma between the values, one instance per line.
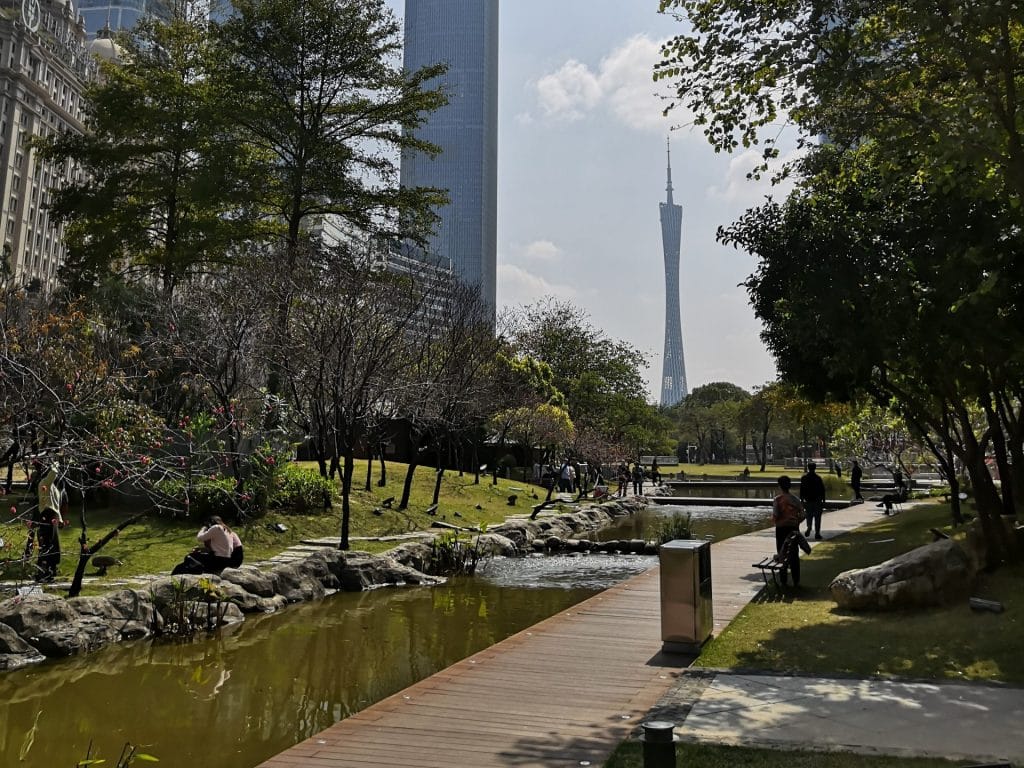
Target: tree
x=708, y=414
x=942, y=80
x=347, y=345
x=77, y=383
x=601, y=378
x=851, y=248
x=160, y=186
x=316, y=90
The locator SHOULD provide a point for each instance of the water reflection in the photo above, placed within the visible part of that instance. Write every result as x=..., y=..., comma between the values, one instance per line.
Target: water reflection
x=716, y=522
x=233, y=701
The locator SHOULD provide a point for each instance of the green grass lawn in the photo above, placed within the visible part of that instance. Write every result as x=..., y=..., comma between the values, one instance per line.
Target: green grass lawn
x=810, y=634
x=156, y=544
x=629, y=754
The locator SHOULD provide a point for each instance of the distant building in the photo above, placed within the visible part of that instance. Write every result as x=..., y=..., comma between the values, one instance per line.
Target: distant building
x=464, y=35
x=673, y=369
x=116, y=15
x=44, y=66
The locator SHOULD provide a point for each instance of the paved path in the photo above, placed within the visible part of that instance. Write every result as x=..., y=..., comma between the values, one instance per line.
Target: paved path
x=951, y=720
x=562, y=693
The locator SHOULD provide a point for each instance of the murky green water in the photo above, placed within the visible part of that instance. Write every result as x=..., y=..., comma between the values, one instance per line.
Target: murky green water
x=235, y=700
x=715, y=522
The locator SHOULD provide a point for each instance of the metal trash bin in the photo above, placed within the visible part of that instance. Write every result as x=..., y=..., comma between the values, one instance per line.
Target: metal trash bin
x=686, y=605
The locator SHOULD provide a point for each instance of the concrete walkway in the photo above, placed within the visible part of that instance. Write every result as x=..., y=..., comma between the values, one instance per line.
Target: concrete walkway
x=957, y=721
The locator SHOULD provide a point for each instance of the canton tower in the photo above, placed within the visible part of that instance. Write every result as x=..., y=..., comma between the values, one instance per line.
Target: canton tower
x=673, y=371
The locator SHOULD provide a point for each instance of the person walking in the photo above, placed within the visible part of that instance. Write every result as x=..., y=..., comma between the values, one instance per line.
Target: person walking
x=812, y=494
x=855, y=475
x=787, y=512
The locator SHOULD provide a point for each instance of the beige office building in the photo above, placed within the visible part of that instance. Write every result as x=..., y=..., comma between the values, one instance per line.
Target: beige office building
x=44, y=64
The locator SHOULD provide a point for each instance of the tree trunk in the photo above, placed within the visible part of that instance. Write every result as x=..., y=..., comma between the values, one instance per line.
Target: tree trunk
x=437, y=484
x=87, y=552
x=369, y=469
x=346, y=493
x=383, y=469
x=407, y=486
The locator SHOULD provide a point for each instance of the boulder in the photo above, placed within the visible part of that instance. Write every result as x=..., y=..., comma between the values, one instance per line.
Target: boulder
x=415, y=554
x=494, y=544
x=364, y=571
x=295, y=583
x=33, y=613
x=129, y=612
x=15, y=652
x=251, y=579
x=80, y=635
x=934, y=574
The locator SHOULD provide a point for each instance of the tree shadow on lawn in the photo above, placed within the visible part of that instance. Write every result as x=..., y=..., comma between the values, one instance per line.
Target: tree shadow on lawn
x=805, y=632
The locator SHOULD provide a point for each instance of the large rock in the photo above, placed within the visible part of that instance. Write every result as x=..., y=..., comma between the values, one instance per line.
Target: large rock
x=53, y=627
x=251, y=579
x=129, y=612
x=15, y=652
x=934, y=574
x=364, y=571
x=295, y=584
x=494, y=544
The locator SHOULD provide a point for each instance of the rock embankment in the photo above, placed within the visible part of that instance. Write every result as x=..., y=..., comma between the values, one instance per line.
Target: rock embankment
x=39, y=626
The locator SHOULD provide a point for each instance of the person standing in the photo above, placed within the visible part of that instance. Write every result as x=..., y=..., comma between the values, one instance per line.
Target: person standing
x=787, y=511
x=855, y=475
x=812, y=494
x=638, y=479
x=623, y=478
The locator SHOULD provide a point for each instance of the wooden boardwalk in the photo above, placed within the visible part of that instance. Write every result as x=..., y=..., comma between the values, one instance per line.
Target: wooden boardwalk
x=562, y=693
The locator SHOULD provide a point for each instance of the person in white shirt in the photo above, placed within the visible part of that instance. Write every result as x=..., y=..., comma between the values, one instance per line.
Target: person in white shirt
x=215, y=554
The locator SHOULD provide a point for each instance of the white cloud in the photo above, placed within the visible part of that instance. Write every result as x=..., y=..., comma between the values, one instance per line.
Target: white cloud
x=569, y=92
x=518, y=286
x=622, y=84
x=737, y=188
x=538, y=250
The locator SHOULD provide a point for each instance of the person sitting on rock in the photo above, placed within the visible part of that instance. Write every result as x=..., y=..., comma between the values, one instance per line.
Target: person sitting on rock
x=215, y=554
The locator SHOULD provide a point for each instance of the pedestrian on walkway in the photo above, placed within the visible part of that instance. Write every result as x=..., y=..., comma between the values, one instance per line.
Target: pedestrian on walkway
x=787, y=512
x=855, y=475
x=623, y=478
x=812, y=494
x=638, y=479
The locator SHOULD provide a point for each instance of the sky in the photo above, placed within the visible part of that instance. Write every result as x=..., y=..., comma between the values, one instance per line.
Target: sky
x=581, y=170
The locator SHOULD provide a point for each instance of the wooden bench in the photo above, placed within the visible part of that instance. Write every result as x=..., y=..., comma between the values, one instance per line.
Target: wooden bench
x=773, y=564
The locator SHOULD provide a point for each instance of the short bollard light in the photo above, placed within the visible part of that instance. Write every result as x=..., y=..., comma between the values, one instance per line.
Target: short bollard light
x=659, y=744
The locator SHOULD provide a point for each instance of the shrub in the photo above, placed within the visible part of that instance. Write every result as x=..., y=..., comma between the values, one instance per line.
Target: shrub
x=301, y=490
x=671, y=527
x=206, y=497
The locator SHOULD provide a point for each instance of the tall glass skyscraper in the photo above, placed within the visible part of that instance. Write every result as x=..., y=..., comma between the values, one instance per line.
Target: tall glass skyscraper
x=118, y=14
x=464, y=35
x=673, y=369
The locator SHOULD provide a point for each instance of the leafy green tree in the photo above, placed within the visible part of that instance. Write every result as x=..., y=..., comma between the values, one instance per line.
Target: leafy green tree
x=868, y=284
x=601, y=378
x=317, y=92
x=709, y=415
x=939, y=79
x=159, y=191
